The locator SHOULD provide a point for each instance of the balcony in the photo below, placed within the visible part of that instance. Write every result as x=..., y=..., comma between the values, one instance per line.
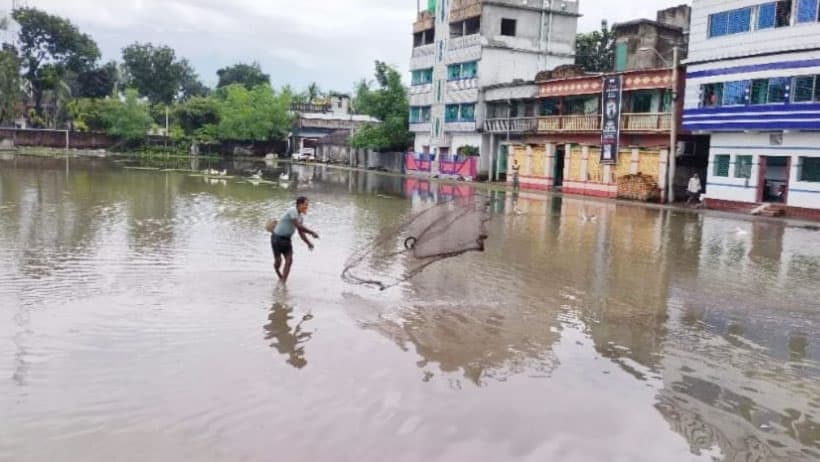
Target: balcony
x=517, y=125
x=648, y=122
x=420, y=127
x=579, y=123
x=570, y=123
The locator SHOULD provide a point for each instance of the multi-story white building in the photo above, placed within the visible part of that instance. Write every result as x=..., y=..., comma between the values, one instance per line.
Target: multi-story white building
x=753, y=85
x=461, y=47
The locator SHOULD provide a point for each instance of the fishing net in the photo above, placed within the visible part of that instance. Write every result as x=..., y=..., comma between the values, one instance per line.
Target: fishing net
x=445, y=230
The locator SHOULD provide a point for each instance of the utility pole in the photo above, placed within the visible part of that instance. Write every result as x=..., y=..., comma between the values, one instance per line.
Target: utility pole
x=673, y=128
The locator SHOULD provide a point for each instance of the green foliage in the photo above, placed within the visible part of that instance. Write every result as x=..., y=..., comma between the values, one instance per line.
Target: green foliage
x=157, y=74
x=52, y=49
x=247, y=75
x=129, y=120
x=313, y=92
x=87, y=114
x=9, y=85
x=259, y=114
x=388, y=103
x=595, y=51
x=98, y=82
x=469, y=151
x=196, y=113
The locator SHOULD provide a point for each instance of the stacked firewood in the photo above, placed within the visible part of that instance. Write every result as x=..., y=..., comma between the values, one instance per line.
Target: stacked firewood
x=638, y=187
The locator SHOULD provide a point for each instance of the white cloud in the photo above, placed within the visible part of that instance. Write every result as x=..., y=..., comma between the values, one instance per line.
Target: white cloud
x=333, y=42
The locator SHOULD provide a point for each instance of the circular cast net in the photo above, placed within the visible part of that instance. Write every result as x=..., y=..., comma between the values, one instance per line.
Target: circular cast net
x=445, y=230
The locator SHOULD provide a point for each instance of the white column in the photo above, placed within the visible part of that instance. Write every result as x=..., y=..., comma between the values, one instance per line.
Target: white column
x=662, y=173
x=585, y=163
x=549, y=161
x=492, y=158
x=635, y=165
x=567, y=161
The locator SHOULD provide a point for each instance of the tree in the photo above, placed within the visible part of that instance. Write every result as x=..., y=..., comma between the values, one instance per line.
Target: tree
x=51, y=47
x=196, y=113
x=129, y=120
x=9, y=84
x=388, y=103
x=190, y=85
x=259, y=114
x=313, y=92
x=595, y=51
x=247, y=75
x=88, y=114
x=98, y=82
x=157, y=74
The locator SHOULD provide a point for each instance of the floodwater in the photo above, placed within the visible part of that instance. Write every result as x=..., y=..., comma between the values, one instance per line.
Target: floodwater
x=140, y=320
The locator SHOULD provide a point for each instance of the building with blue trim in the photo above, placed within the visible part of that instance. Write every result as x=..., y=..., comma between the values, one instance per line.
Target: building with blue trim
x=753, y=85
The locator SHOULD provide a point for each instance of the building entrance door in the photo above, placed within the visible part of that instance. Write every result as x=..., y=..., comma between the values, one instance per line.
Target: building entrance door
x=773, y=183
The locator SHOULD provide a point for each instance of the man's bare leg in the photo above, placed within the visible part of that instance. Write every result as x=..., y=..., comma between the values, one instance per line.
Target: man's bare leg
x=277, y=263
x=286, y=272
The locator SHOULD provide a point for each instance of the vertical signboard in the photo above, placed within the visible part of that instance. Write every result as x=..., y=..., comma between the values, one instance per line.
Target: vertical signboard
x=612, y=98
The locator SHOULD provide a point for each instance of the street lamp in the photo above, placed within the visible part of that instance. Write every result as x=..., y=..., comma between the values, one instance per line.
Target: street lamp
x=673, y=126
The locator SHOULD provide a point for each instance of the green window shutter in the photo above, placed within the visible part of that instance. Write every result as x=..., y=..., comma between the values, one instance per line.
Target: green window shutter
x=621, y=50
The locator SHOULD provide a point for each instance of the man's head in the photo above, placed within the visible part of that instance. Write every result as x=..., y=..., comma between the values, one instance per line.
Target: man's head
x=302, y=204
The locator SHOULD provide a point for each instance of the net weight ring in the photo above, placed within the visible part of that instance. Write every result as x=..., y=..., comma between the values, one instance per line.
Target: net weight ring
x=410, y=243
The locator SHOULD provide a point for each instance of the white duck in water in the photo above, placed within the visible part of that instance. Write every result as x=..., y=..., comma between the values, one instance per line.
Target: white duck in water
x=284, y=177
x=590, y=218
x=257, y=175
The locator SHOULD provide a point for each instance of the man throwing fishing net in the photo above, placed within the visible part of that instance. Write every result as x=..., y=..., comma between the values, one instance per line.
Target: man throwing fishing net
x=281, y=237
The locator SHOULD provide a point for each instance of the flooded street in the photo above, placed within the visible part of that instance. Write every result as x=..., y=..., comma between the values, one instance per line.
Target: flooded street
x=140, y=320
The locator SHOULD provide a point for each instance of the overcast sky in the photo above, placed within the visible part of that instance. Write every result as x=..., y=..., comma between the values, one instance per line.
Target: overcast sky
x=332, y=42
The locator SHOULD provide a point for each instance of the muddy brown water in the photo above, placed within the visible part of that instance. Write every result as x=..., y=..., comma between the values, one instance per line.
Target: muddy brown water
x=140, y=320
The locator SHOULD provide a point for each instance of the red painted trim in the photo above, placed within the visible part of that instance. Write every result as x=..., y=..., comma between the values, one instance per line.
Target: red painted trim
x=746, y=207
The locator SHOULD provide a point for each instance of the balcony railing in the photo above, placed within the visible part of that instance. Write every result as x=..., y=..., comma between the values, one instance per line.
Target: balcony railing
x=580, y=123
x=570, y=123
x=647, y=122
x=517, y=125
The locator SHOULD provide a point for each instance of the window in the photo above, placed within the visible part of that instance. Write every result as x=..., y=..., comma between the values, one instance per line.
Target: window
x=807, y=11
x=426, y=37
x=642, y=102
x=730, y=22
x=810, y=169
x=621, y=56
x=508, y=27
x=549, y=107
x=734, y=93
x=740, y=21
x=419, y=114
x=468, y=70
x=775, y=14
x=460, y=113
x=712, y=94
x=468, y=112
x=743, y=167
x=451, y=113
x=718, y=24
x=722, y=165
x=470, y=26
x=422, y=77
x=766, y=15
x=807, y=89
x=760, y=91
x=438, y=92
x=777, y=90
x=769, y=91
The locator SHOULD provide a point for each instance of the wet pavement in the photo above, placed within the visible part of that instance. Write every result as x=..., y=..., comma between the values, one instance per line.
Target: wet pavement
x=140, y=320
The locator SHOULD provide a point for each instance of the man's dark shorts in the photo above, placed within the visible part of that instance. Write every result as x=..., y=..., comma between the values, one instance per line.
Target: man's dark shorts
x=282, y=246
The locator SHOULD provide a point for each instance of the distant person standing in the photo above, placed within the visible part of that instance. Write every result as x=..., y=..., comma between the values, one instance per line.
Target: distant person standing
x=281, y=238
x=693, y=190
x=516, y=168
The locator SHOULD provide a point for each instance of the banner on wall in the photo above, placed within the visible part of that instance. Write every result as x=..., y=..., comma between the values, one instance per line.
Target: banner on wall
x=612, y=98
